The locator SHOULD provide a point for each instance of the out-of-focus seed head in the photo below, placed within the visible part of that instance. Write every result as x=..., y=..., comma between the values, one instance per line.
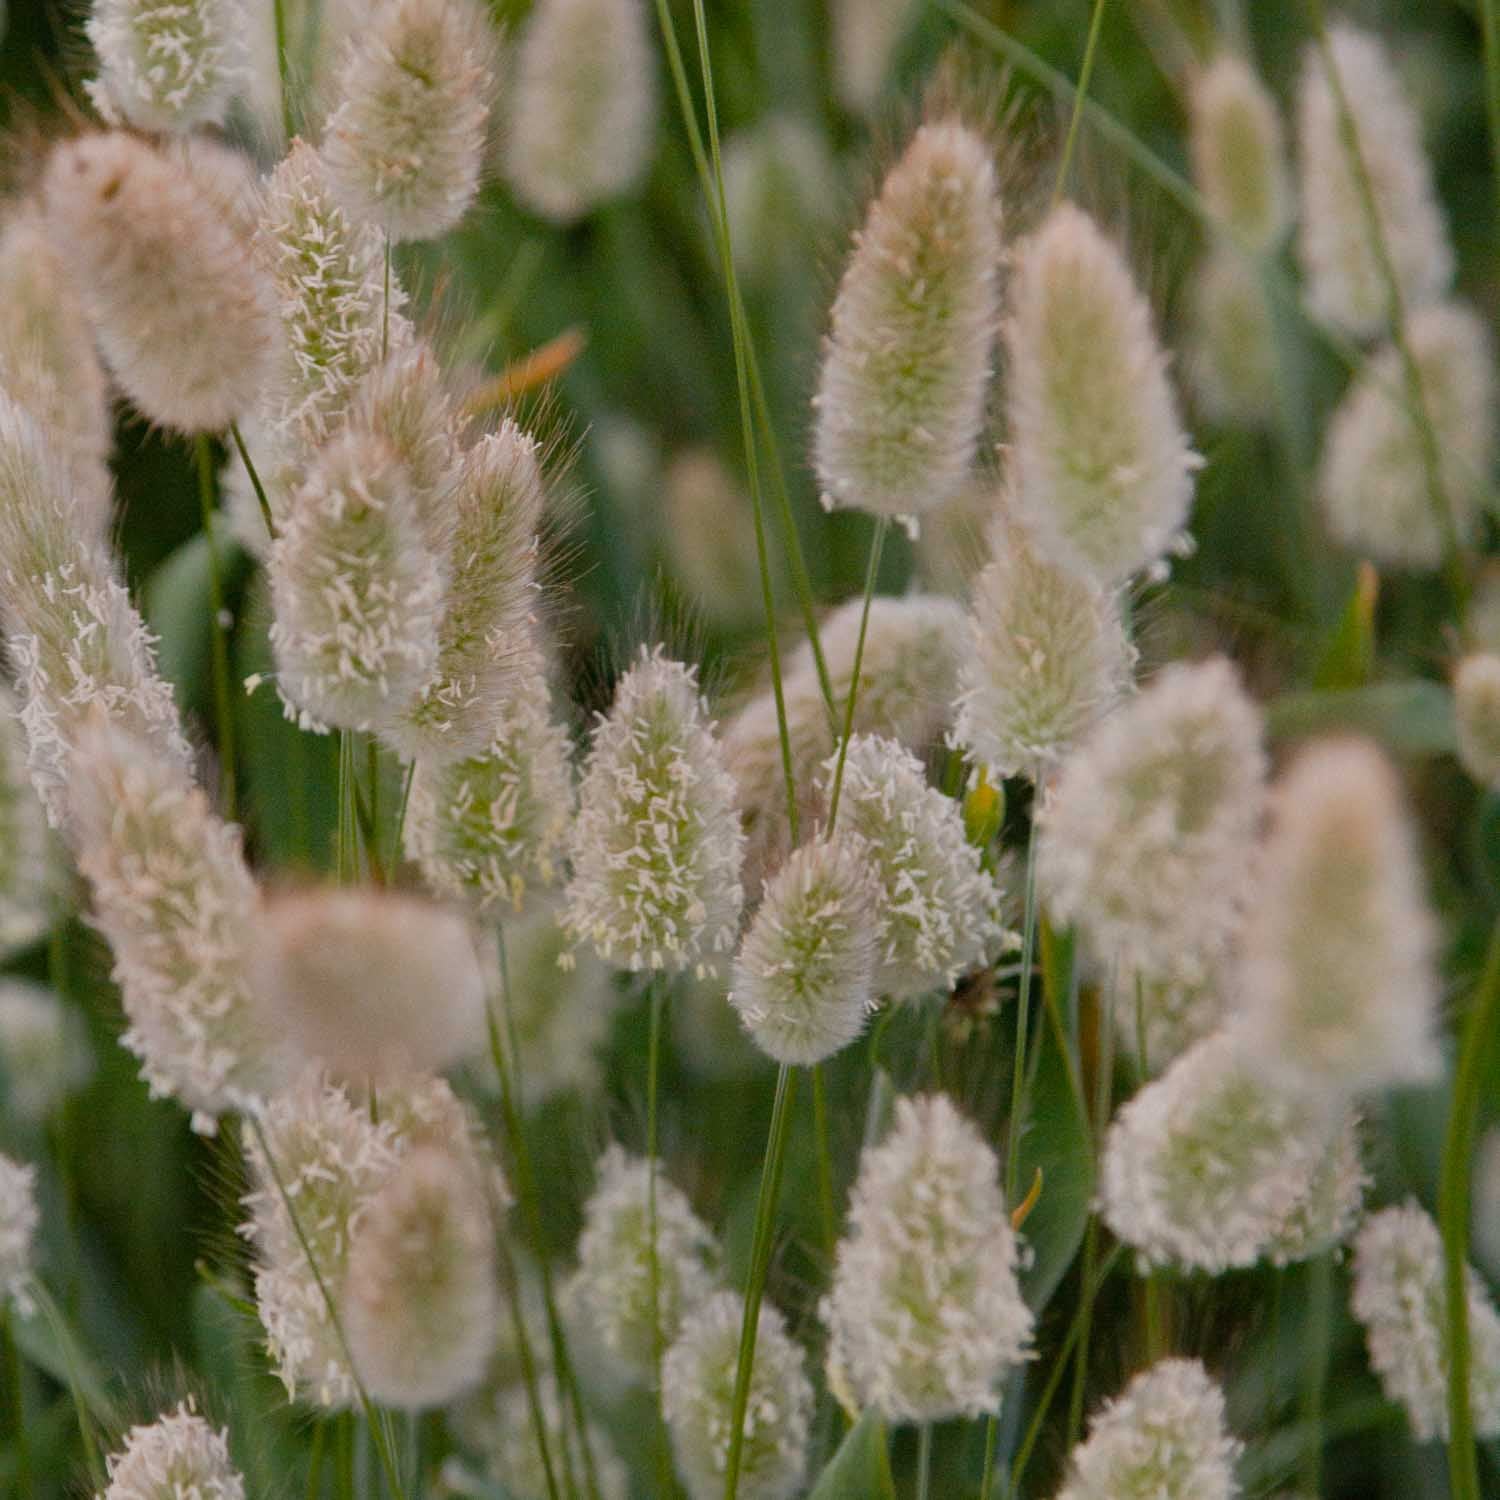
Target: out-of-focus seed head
x=708, y=531
x=167, y=65
x=583, y=104
x=1148, y=836
x=1231, y=354
x=698, y=1377
x=421, y=1299
x=1337, y=982
x=1346, y=282
x=177, y=1456
x=611, y=1289
x=865, y=35
x=19, y=1218
x=907, y=682
x=181, y=309
x=780, y=187
x=1156, y=1020
x=925, y=1315
x=1100, y=469
x=1476, y=707
x=939, y=911
x=44, y=1050
x=484, y=649
x=173, y=896
x=1213, y=1167
x=1163, y=1438
x=1239, y=151
x=804, y=977
x=1049, y=655
x=907, y=361
x=1373, y=478
x=32, y=880
x=1399, y=1295
x=357, y=593
x=656, y=845
x=405, y=146
x=371, y=983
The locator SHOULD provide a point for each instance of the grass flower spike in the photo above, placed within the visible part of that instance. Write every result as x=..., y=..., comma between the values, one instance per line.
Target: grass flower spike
x=181, y=309
x=1163, y=1438
x=925, y=1316
x=1239, y=153
x=19, y=1218
x=864, y=35
x=167, y=65
x=176, y=1456
x=44, y=1050
x=1476, y=708
x=698, y=1396
x=405, y=146
x=1231, y=355
x=31, y=880
x=656, y=845
x=1399, y=1298
x=908, y=357
x=583, y=100
x=1100, y=469
x=1346, y=283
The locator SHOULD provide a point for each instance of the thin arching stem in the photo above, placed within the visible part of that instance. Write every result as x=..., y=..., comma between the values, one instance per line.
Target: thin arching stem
x=218, y=634
x=1070, y=141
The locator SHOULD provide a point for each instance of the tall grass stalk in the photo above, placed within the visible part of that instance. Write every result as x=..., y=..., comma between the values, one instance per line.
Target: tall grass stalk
x=218, y=632
x=528, y=1366
x=15, y=1404
x=1489, y=25
x=924, y=1461
x=284, y=69
x=254, y=477
x=84, y=1417
x=1070, y=141
x=1315, y=1368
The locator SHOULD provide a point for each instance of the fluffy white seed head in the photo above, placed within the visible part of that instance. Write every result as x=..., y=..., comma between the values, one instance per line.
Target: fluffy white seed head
x=1049, y=655
x=804, y=977
x=1163, y=1438
x=864, y=35
x=356, y=590
x=698, y=1376
x=708, y=532
x=1346, y=283
x=421, y=1299
x=19, y=1218
x=181, y=309
x=1231, y=354
x=925, y=1315
x=1148, y=836
x=939, y=910
x=1212, y=1166
x=32, y=880
x=44, y=1050
x=179, y=1456
x=656, y=845
x=1476, y=708
x=1399, y=1295
x=406, y=143
x=781, y=188
x=484, y=656
x=73, y=637
x=1239, y=151
x=167, y=65
x=173, y=896
x=1373, y=478
x=907, y=682
x=582, y=105
x=611, y=1289
x=907, y=361
x=1157, y=1020
x=371, y=983
x=1100, y=468
x=1337, y=980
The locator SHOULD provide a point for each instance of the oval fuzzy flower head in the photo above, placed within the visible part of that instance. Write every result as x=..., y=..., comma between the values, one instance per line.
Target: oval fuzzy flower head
x=611, y=1289
x=19, y=1218
x=804, y=977
x=501, y=1427
x=939, y=911
x=1100, y=469
x=406, y=144
x=925, y=1316
x=357, y=593
x=864, y=35
x=1337, y=984
x=173, y=896
x=421, y=1298
x=371, y=983
x=1239, y=151
x=582, y=105
x=177, y=1455
x=1049, y=656
x=656, y=846
x=44, y=1050
x=1373, y=480
x=32, y=880
x=1148, y=836
x=1163, y=1438
x=181, y=309
x=1346, y=282
x=1213, y=1167
x=697, y=1379
x=1400, y=1298
x=908, y=357
x=1231, y=355
x=1476, y=707
x=167, y=65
